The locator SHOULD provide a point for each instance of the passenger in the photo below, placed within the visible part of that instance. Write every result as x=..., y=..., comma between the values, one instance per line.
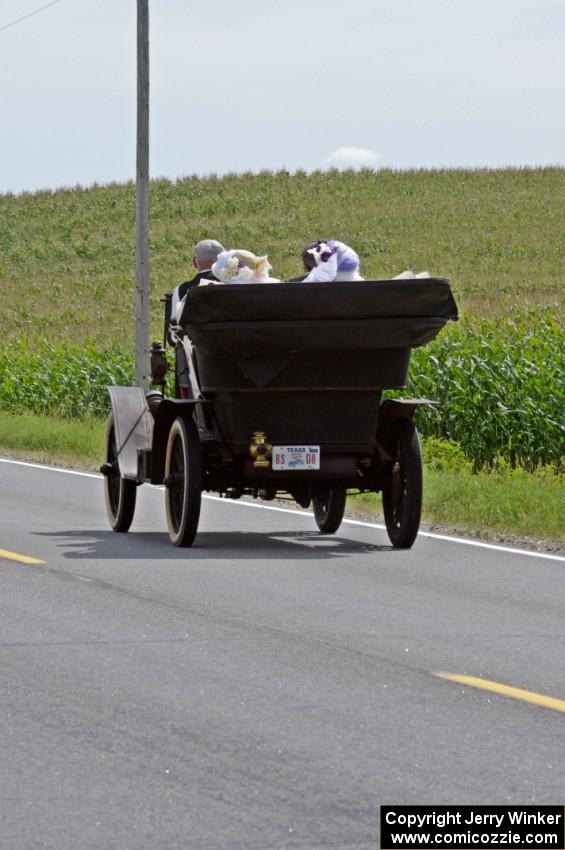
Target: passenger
x=205, y=255
x=330, y=260
x=238, y=266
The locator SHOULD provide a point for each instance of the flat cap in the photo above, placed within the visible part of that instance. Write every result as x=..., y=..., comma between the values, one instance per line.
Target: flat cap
x=208, y=249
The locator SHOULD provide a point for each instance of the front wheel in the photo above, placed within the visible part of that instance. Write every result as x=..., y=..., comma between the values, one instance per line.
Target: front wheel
x=120, y=493
x=402, y=495
x=183, y=482
x=329, y=507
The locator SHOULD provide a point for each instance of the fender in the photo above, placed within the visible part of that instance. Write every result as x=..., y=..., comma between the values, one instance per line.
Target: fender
x=397, y=408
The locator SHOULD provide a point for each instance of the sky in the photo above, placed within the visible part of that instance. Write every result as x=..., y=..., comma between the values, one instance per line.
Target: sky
x=272, y=84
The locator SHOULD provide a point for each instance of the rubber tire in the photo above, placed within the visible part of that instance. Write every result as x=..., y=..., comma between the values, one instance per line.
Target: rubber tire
x=182, y=499
x=329, y=509
x=402, y=499
x=119, y=493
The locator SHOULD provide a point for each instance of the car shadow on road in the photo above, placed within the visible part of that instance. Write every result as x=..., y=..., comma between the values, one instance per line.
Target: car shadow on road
x=217, y=545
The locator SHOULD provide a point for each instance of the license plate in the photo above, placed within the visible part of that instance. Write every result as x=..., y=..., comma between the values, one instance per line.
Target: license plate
x=296, y=457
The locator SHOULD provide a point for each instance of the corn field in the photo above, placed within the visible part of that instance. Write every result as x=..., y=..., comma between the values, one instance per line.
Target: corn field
x=500, y=387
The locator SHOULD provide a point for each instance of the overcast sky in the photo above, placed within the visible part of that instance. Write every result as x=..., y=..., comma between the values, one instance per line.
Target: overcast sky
x=280, y=84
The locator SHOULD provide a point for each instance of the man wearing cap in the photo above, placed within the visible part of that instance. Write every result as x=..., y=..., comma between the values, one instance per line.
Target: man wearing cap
x=205, y=255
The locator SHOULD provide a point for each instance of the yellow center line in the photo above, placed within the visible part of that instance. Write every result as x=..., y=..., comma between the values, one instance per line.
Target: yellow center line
x=542, y=700
x=15, y=556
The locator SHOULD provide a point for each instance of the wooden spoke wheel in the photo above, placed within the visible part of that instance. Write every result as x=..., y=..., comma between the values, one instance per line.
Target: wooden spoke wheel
x=402, y=496
x=119, y=492
x=329, y=507
x=183, y=482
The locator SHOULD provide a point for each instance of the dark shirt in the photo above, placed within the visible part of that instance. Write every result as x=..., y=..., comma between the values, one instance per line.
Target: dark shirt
x=184, y=287
x=181, y=291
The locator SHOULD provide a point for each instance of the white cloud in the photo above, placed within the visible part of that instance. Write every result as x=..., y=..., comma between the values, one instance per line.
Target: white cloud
x=353, y=158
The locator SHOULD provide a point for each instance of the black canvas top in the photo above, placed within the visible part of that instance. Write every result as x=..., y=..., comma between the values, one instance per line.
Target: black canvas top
x=232, y=323
x=297, y=302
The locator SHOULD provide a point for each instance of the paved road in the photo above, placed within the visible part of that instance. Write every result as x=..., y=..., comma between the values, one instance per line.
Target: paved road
x=268, y=688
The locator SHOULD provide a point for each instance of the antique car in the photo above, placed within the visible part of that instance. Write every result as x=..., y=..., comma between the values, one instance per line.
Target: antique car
x=285, y=400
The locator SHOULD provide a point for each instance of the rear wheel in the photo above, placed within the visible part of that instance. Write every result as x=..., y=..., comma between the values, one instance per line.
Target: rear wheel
x=329, y=507
x=402, y=495
x=183, y=482
x=119, y=492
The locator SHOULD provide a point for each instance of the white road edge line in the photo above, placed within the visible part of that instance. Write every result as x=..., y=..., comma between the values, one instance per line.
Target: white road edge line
x=432, y=535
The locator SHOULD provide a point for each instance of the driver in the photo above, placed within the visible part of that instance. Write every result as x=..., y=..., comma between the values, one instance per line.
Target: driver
x=206, y=252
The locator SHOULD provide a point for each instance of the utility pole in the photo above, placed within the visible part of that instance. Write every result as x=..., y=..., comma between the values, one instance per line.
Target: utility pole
x=142, y=201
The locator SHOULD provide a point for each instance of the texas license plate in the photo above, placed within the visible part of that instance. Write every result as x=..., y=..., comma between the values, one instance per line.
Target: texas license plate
x=296, y=457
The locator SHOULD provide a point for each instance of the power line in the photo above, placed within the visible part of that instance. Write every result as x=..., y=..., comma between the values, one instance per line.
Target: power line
x=30, y=15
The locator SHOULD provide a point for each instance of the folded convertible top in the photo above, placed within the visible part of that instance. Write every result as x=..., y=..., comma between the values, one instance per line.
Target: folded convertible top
x=280, y=333
x=298, y=302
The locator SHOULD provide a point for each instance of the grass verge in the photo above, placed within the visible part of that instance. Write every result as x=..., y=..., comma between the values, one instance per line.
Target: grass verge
x=513, y=506
x=504, y=503
x=66, y=442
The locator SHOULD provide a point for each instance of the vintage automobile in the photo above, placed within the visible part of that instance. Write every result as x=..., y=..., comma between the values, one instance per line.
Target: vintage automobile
x=285, y=400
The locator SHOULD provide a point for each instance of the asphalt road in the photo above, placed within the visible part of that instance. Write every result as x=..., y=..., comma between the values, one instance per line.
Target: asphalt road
x=268, y=688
